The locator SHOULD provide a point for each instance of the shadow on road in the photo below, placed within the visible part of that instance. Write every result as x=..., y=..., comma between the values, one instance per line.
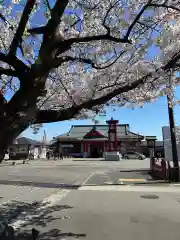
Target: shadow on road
x=51, y=235
x=36, y=215
x=144, y=171
x=40, y=184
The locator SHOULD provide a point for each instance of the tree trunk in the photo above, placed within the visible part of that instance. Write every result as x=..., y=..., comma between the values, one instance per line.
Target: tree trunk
x=10, y=129
x=6, y=139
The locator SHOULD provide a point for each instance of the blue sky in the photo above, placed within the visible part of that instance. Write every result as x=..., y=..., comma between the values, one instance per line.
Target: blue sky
x=146, y=121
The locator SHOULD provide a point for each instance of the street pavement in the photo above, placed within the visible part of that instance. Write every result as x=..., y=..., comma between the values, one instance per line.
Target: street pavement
x=68, y=172
x=98, y=212
x=104, y=204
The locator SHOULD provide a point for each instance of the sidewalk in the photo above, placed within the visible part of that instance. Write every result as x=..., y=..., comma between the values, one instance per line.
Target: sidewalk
x=10, y=162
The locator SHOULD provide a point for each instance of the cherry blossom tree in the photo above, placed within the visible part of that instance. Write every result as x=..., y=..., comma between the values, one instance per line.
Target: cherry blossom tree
x=64, y=59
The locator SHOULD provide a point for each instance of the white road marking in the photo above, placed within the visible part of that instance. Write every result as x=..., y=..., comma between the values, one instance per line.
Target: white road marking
x=85, y=181
x=47, y=202
x=129, y=188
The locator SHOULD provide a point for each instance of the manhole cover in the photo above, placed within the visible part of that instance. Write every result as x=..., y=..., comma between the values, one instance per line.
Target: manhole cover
x=149, y=196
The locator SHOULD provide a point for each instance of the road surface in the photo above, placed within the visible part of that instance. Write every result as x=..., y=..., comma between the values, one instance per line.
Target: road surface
x=56, y=173
x=91, y=210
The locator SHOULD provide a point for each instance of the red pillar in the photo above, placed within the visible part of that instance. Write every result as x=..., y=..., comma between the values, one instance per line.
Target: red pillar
x=109, y=146
x=112, y=135
x=84, y=147
x=115, y=140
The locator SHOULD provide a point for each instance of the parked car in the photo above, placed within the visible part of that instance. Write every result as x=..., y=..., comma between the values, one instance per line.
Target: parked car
x=133, y=155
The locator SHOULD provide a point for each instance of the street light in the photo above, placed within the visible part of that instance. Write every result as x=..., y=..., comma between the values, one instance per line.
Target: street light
x=175, y=176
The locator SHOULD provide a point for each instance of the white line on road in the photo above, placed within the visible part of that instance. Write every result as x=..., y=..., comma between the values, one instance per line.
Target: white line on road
x=129, y=188
x=47, y=202
x=85, y=181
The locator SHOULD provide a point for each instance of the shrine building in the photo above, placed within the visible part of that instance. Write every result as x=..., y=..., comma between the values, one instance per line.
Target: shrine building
x=93, y=140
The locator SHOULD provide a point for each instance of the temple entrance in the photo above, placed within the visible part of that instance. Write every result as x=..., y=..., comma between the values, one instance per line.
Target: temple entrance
x=95, y=151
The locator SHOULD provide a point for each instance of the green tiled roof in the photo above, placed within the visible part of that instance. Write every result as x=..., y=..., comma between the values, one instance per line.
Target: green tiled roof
x=79, y=131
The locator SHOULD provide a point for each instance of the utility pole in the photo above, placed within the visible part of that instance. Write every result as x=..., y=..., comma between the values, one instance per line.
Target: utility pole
x=175, y=176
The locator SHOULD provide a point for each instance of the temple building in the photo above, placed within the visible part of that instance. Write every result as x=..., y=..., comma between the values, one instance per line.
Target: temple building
x=93, y=140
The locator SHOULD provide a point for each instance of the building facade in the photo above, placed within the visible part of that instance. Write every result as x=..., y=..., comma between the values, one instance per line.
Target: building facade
x=93, y=140
x=23, y=148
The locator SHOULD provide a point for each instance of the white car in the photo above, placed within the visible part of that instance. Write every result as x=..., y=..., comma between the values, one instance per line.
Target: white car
x=133, y=155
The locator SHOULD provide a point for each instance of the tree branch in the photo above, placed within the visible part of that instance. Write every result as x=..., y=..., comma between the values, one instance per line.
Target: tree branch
x=48, y=5
x=105, y=18
x=3, y=18
x=51, y=32
x=20, y=30
x=53, y=23
x=8, y=72
x=172, y=63
x=165, y=6
x=136, y=19
x=57, y=62
x=37, y=30
x=14, y=62
x=94, y=38
x=21, y=69
x=48, y=116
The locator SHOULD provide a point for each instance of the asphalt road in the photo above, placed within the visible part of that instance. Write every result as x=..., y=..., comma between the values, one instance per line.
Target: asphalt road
x=67, y=172
x=95, y=210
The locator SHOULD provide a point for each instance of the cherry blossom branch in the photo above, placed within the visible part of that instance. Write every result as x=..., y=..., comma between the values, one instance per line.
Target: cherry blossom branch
x=57, y=62
x=136, y=19
x=165, y=6
x=97, y=38
x=105, y=18
x=22, y=24
x=172, y=63
x=47, y=116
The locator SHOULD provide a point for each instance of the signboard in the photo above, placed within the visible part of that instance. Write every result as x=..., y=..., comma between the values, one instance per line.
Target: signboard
x=166, y=133
x=36, y=153
x=167, y=144
x=151, y=143
x=43, y=153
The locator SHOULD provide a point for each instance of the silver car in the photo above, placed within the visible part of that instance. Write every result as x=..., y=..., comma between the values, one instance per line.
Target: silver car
x=133, y=155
